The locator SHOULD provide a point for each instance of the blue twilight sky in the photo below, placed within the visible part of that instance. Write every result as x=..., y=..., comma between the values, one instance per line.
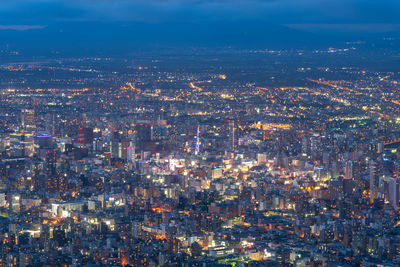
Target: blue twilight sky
x=364, y=15
x=220, y=21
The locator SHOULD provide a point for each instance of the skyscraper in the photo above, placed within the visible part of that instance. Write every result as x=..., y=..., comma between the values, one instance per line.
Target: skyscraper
x=394, y=192
x=144, y=135
x=348, y=170
x=372, y=181
x=130, y=154
x=29, y=129
x=198, y=142
x=233, y=138
x=16, y=145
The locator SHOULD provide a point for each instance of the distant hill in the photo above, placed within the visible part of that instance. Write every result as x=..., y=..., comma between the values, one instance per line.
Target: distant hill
x=94, y=37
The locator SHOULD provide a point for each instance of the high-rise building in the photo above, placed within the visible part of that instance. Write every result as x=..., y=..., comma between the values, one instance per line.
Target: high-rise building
x=130, y=155
x=394, y=192
x=29, y=130
x=198, y=142
x=233, y=136
x=28, y=120
x=50, y=163
x=85, y=135
x=348, y=170
x=42, y=143
x=16, y=145
x=304, y=145
x=372, y=181
x=55, y=182
x=50, y=123
x=144, y=135
x=119, y=147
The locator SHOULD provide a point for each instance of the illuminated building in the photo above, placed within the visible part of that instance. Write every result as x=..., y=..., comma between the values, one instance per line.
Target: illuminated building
x=198, y=142
x=119, y=148
x=85, y=135
x=130, y=154
x=233, y=136
x=50, y=171
x=29, y=130
x=372, y=181
x=16, y=145
x=348, y=170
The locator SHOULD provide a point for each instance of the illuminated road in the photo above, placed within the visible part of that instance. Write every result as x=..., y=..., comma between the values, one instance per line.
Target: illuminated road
x=193, y=86
x=334, y=86
x=380, y=114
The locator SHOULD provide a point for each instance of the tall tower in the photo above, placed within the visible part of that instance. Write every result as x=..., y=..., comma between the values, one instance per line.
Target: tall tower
x=29, y=130
x=394, y=193
x=233, y=138
x=50, y=163
x=50, y=123
x=198, y=142
x=50, y=171
x=372, y=181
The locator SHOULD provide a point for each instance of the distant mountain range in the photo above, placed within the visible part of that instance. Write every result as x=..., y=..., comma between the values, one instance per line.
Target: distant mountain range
x=95, y=37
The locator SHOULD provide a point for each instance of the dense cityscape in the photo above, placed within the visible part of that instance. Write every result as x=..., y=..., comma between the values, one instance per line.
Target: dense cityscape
x=146, y=162
x=200, y=133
